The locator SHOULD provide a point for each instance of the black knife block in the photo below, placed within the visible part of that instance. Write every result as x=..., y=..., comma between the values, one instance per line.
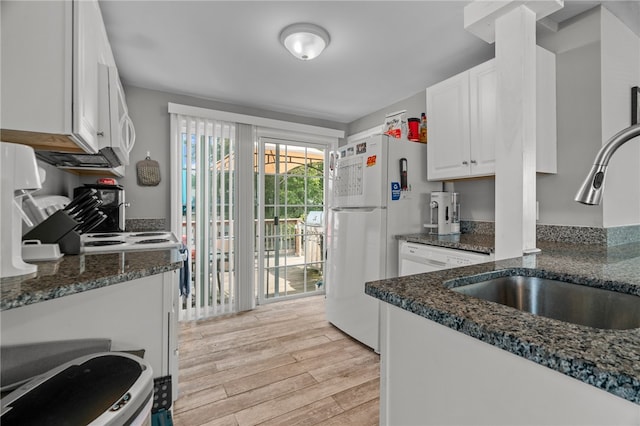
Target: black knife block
x=57, y=228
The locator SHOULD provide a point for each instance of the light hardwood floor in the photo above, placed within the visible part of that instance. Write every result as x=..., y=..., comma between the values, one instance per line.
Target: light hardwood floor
x=280, y=364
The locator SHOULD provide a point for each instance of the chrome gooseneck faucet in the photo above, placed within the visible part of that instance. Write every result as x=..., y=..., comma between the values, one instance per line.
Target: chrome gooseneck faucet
x=590, y=192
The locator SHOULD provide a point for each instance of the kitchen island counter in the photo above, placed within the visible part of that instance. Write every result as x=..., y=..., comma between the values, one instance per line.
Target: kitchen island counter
x=78, y=273
x=606, y=359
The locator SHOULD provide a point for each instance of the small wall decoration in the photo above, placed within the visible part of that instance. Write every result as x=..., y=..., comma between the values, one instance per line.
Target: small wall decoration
x=635, y=101
x=148, y=172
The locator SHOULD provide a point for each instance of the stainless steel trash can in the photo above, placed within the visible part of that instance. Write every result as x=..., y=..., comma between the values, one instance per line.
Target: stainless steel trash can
x=108, y=388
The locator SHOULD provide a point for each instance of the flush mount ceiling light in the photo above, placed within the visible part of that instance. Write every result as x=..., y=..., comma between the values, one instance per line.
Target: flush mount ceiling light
x=304, y=41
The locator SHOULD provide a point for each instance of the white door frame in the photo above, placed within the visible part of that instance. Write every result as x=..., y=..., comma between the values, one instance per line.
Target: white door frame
x=279, y=137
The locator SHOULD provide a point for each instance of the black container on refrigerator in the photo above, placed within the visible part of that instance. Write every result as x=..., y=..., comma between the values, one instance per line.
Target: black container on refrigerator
x=112, y=197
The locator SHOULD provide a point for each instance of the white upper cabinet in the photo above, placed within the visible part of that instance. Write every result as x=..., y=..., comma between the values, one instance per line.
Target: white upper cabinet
x=448, y=147
x=482, y=113
x=86, y=48
x=462, y=121
x=50, y=56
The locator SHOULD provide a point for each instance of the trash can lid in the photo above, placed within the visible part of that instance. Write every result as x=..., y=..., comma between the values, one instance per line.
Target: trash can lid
x=76, y=393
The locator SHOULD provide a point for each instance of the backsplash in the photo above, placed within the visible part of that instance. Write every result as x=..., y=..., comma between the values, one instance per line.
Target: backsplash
x=477, y=227
x=139, y=225
x=623, y=235
x=567, y=234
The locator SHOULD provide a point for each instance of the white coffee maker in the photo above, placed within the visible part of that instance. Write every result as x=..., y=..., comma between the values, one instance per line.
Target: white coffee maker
x=18, y=177
x=445, y=213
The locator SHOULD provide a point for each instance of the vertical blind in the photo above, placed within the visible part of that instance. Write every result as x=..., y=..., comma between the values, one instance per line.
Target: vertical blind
x=205, y=151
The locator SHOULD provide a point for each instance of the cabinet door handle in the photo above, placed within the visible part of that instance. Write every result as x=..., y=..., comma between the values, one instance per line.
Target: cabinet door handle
x=465, y=163
x=100, y=133
x=474, y=162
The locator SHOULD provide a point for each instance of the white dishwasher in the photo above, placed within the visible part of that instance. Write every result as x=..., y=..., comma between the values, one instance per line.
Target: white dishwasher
x=416, y=258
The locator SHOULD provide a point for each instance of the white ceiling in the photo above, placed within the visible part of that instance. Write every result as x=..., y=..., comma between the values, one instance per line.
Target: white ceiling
x=380, y=51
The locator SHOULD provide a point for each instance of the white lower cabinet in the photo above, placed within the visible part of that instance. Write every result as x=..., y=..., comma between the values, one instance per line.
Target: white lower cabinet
x=137, y=314
x=463, y=121
x=433, y=375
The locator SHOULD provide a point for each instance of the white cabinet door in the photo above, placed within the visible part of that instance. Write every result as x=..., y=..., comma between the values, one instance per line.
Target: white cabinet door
x=462, y=124
x=86, y=48
x=462, y=127
x=50, y=56
x=482, y=94
x=448, y=129
x=36, y=66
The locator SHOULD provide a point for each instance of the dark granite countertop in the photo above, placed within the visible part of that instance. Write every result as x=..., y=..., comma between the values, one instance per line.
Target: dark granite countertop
x=75, y=274
x=607, y=359
x=479, y=243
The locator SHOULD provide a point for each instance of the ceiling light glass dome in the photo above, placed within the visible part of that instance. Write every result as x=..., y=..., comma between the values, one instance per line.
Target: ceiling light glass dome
x=304, y=41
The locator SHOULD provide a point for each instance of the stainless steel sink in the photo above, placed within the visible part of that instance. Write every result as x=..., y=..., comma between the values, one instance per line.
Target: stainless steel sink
x=574, y=303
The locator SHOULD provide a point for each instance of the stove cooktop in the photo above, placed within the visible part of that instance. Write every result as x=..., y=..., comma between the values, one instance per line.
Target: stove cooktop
x=127, y=241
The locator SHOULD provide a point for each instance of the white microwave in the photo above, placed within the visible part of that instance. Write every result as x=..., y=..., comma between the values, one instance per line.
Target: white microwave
x=117, y=133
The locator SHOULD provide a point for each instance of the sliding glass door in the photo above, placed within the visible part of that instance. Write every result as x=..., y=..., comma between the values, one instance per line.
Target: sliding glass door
x=290, y=229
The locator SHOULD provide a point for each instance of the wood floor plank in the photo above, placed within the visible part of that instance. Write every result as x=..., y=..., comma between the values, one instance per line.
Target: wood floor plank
x=357, y=395
x=200, y=398
x=276, y=347
x=244, y=401
x=280, y=364
x=343, y=367
x=279, y=373
x=363, y=415
x=308, y=415
x=210, y=380
x=289, y=402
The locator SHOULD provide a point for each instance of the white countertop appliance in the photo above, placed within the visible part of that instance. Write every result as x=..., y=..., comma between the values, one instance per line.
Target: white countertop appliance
x=369, y=207
x=445, y=213
x=128, y=241
x=18, y=177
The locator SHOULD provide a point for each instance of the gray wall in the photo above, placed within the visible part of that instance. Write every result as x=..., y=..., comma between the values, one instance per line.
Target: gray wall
x=149, y=111
x=414, y=105
x=58, y=182
x=579, y=130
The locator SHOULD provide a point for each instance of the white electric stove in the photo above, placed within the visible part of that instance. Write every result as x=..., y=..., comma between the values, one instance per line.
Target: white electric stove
x=128, y=241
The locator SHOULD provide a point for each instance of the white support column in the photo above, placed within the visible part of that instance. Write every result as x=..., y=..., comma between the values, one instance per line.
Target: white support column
x=512, y=25
x=515, y=212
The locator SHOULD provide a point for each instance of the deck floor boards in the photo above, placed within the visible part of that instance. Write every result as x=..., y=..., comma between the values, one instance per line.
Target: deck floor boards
x=280, y=364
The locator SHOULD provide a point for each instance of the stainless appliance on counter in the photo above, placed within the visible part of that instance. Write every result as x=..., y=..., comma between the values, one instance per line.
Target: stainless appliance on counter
x=106, y=388
x=112, y=205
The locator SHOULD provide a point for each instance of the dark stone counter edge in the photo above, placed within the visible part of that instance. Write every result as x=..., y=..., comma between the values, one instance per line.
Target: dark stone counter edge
x=449, y=244
x=614, y=382
x=79, y=287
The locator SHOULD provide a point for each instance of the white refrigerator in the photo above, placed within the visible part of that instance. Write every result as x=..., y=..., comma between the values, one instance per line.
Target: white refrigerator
x=371, y=203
